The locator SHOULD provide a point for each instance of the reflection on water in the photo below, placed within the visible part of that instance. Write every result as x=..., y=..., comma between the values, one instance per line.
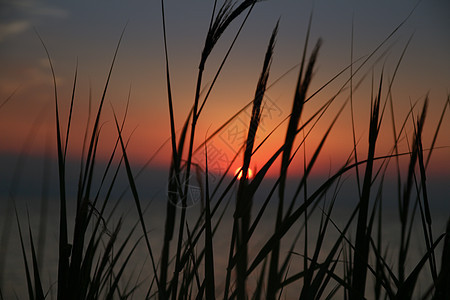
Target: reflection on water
x=139, y=267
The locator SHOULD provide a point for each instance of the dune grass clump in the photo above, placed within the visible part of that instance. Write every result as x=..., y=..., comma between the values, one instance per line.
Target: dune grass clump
x=95, y=264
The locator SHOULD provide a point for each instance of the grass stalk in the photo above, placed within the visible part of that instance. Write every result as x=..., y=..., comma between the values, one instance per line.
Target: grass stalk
x=94, y=264
x=223, y=19
x=244, y=200
x=362, y=234
x=138, y=203
x=209, y=256
x=64, y=247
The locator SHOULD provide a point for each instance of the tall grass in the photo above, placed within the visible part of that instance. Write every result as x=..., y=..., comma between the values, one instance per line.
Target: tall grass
x=94, y=263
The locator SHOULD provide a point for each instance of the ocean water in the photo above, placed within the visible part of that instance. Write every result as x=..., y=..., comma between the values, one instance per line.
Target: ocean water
x=152, y=186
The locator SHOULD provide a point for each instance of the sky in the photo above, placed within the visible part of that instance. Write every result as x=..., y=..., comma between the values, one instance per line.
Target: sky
x=84, y=34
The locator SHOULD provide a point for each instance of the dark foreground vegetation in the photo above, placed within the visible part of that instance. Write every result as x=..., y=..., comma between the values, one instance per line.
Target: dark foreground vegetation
x=354, y=264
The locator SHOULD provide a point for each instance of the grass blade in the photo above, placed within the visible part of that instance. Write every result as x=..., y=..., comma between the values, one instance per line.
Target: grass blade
x=137, y=201
x=244, y=199
x=407, y=288
x=64, y=247
x=27, y=269
x=362, y=233
x=209, y=256
x=442, y=288
x=39, y=293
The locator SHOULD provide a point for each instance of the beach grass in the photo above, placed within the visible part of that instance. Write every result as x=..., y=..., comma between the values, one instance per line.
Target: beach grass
x=346, y=258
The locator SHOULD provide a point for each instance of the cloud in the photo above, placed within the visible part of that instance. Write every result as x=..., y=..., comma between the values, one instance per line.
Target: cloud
x=13, y=28
x=50, y=12
x=37, y=8
x=19, y=15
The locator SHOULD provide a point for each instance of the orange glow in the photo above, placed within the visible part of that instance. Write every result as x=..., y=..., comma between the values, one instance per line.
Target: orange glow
x=249, y=173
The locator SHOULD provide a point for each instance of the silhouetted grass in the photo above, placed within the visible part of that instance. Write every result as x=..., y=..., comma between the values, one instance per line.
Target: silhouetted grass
x=94, y=264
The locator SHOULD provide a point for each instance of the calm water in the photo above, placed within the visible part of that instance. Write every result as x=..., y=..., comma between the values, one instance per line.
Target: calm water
x=152, y=188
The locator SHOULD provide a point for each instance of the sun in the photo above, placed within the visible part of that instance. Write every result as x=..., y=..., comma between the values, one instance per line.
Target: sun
x=238, y=172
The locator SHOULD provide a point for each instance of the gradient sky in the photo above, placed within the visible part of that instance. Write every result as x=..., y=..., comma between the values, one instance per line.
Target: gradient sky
x=88, y=31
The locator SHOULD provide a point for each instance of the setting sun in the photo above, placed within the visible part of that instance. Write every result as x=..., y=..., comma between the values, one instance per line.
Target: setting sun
x=239, y=172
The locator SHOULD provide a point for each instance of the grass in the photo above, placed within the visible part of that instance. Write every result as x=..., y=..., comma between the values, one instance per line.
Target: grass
x=94, y=263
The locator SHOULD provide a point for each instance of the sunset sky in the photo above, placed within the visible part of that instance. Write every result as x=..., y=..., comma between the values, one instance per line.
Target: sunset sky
x=81, y=36
x=88, y=31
